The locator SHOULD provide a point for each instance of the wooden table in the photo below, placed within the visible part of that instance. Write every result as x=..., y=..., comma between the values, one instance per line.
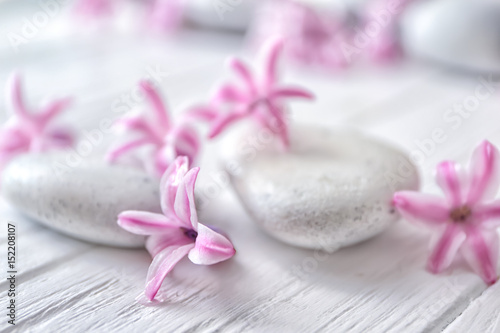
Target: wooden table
x=65, y=285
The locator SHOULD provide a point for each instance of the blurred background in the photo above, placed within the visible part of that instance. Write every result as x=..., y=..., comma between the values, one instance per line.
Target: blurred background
x=399, y=69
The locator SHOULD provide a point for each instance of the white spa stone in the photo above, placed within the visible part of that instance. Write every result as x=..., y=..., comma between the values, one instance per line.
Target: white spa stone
x=332, y=189
x=84, y=200
x=459, y=33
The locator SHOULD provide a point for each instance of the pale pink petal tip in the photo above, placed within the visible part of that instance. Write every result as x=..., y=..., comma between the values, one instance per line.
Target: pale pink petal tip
x=211, y=247
x=484, y=177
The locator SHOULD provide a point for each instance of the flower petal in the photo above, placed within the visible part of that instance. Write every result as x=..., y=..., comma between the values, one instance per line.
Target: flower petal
x=481, y=252
x=291, y=92
x=166, y=15
x=487, y=215
x=242, y=70
x=187, y=143
x=483, y=173
x=146, y=223
x=59, y=137
x=157, y=102
x=53, y=109
x=206, y=113
x=162, y=264
x=135, y=123
x=221, y=122
x=385, y=47
x=115, y=153
x=419, y=207
x=449, y=178
x=16, y=96
x=160, y=160
x=170, y=181
x=445, y=248
x=228, y=93
x=157, y=243
x=13, y=139
x=282, y=127
x=184, y=204
x=210, y=247
x=273, y=51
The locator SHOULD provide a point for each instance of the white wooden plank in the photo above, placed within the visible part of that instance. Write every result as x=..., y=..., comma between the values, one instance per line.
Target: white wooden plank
x=261, y=289
x=482, y=314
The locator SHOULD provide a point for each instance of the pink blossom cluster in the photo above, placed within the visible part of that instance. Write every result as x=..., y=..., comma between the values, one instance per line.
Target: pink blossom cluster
x=332, y=38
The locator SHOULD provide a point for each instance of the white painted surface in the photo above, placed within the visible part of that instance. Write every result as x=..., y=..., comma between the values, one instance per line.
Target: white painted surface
x=378, y=286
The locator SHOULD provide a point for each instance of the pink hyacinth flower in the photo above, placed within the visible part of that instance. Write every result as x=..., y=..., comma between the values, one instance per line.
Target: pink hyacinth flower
x=261, y=98
x=177, y=232
x=310, y=37
x=157, y=131
x=317, y=39
x=467, y=218
x=27, y=131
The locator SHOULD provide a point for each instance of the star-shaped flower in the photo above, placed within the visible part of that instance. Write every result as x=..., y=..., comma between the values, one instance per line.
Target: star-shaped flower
x=156, y=130
x=177, y=232
x=467, y=219
x=27, y=131
x=261, y=98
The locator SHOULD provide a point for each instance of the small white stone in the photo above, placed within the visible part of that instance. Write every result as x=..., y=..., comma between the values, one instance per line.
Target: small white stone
x=458, y=33
x=81, y=201
x=332, y=189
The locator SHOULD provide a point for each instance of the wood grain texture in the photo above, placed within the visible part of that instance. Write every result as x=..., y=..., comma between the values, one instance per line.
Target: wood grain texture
x=482, y=314
x=378, y=286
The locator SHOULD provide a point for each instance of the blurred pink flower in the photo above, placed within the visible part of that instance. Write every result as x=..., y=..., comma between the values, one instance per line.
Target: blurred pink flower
x=383, y=16
x=177, y=232
x=310, y=37
x=329, y=36
x=94, y=8
x=261, y=98
x=156, y=131
x=467, y=219
x=166, y=15
x=27, y=131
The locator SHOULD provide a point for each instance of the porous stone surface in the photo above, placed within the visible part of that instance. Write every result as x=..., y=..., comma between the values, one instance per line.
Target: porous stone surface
x=333, y=188
x=83, y=200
